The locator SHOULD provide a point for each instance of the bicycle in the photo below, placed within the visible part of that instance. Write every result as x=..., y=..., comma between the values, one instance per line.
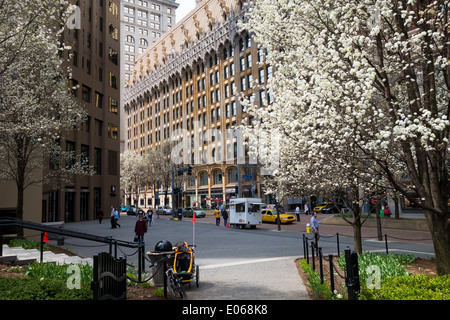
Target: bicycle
x=175, y=285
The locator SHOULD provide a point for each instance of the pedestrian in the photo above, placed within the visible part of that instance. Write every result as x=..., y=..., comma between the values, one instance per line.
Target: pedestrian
x=113, y=218
x=217, y=215
x=297, y=212
x=306, y=208
x=149, y=216
x=116, y=217
x=315, y=228
x=225, y=216
x=140, y=229
x=100, y=215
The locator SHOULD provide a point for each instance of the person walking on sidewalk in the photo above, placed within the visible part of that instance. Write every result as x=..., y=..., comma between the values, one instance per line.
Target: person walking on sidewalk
x=225, y=216
x=297, y=213
x=217, y=215
x=116, y=217
x=306, y=208
x=315, y=228
x=113, y=218
x=140, y=228
x=100, y=215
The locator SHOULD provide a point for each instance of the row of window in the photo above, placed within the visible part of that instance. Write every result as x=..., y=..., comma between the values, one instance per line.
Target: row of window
x=217, y=178
x=70, y=158
x=145, y=4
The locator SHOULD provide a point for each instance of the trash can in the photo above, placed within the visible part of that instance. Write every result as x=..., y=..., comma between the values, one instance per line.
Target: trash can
x=162, y=249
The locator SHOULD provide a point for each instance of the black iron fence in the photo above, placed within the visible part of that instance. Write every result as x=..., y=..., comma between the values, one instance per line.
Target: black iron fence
x=351, y=276
x=110, y=277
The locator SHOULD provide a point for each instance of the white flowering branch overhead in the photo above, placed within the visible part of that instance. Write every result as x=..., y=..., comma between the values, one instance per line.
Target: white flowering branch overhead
x=36, y=106
x=361, y=92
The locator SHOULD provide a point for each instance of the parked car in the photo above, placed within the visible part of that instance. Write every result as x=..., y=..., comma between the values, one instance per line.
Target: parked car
x=163, y=210
x=321, y=206
x=189, y=212
x=334, y=208
x=124, y=208
x=270, y=215
x=132, y=211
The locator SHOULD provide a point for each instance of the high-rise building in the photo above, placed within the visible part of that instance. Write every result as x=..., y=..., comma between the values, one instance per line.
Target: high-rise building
x=95, y=67
x=142, y=22
x=187, y=86
x=94, y=39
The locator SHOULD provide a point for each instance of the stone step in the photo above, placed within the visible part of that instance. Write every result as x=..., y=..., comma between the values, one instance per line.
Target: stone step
x=21, y=256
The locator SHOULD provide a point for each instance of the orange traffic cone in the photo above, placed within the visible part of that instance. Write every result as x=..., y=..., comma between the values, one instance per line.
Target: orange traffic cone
x=45, y=239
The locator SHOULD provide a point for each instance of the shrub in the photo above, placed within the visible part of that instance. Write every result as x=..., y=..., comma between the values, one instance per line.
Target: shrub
x=27, y=244
x=420, y=287
x=321, y=290
x=391, y=265
x=41, y=289
x=57, y=271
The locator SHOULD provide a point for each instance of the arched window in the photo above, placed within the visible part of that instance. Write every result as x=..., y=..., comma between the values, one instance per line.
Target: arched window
x=130, y=39
x=143, y=42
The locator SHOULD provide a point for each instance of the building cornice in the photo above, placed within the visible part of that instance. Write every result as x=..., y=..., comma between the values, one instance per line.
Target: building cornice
x=147, y=78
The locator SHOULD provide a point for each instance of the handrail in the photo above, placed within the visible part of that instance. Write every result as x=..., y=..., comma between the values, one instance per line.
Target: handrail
x=13, y=222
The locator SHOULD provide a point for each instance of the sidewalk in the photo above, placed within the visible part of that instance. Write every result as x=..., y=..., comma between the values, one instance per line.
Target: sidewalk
x=401, y=235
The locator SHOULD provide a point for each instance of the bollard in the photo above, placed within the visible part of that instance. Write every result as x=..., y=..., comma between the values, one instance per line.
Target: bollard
x=352, y=274
x=386, y=243
x=330, y=257
x=313, y=258
x=337, y=241
x=307, y=249
x=320, y=265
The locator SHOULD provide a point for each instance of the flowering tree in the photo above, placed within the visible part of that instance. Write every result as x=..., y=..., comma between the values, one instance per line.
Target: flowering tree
x=35, y=103
x=361, y=97
x=133, y=175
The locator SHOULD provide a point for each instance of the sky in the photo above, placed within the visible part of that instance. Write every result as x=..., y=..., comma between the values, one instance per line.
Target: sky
x=185, y=7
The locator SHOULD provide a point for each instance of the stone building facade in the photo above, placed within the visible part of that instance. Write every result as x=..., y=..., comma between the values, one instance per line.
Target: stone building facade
x=188, y=87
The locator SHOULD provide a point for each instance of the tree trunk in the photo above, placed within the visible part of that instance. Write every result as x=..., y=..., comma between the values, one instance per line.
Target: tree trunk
x=357, y=226
x=440, y=231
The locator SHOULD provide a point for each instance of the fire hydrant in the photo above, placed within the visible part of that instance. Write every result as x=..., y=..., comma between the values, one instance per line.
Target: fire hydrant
x=308, y=228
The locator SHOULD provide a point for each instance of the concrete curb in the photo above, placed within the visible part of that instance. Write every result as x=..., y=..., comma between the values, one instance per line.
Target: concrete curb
x=387, y=223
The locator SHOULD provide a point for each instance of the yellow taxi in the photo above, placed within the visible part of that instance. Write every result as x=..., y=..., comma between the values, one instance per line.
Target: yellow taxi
x=321, y=206
x=270, y=215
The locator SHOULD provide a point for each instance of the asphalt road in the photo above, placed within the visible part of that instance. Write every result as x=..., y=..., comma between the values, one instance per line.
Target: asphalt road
x=256, y=264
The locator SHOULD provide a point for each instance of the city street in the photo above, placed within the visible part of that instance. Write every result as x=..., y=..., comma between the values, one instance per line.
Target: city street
x=242, y=263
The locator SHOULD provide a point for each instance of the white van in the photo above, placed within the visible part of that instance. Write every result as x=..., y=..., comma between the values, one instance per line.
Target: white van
x=245, y=212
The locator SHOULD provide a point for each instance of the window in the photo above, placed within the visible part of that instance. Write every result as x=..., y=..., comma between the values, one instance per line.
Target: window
x=232, y=175
x=113, y=32
x=113, y=56
x=86, y=93
x=113, y=131
x=249, y=61
x=112, y=80
x=143, y=42
x=261, y=76
x=85, y=154
x=130, y=39
x=70, y=157
x=113, y=105
x=204, y=179
x=217, y=175
x=113, y=8
x=98, y=100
